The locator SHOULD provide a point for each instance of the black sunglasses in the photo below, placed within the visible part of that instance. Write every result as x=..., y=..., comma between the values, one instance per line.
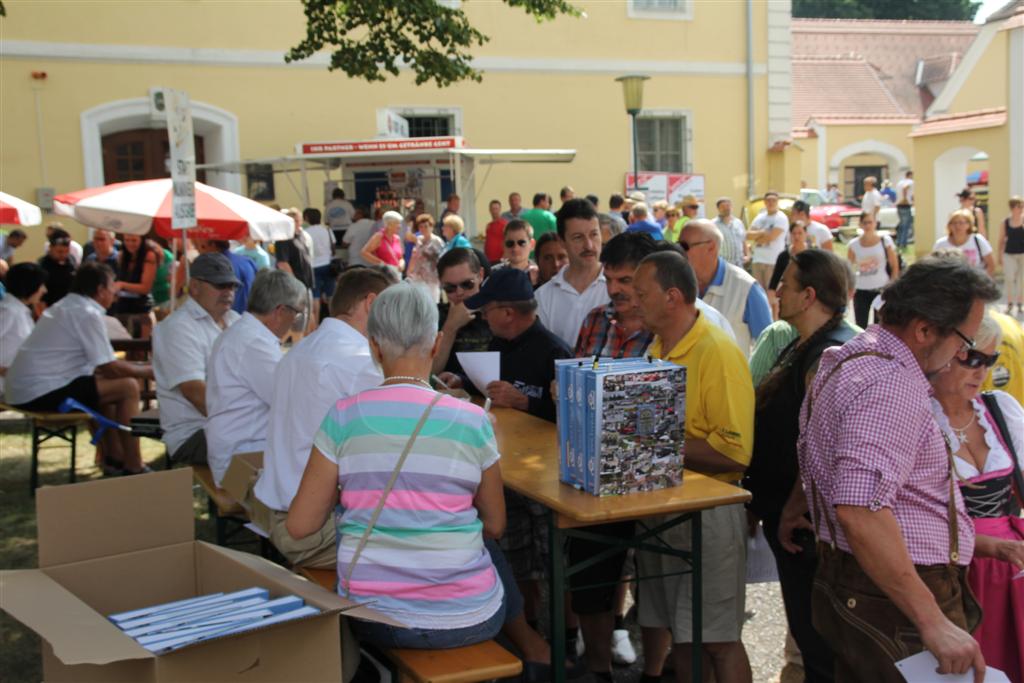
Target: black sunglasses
x=511, y=243
x=977, y=359
x=687, y=246
x=466, y=285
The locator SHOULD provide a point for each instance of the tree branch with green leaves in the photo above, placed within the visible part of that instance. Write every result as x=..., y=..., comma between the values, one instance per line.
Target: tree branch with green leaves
x=370, y=39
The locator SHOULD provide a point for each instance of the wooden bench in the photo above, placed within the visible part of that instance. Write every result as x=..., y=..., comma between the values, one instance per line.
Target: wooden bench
x=46, y=426
x=481, y=662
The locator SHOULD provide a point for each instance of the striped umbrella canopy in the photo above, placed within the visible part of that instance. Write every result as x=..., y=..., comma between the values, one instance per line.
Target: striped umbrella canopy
x=136, y=206
x=14, y=211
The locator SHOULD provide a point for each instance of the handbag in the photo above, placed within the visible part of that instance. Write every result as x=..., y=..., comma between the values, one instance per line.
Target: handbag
x=387, y=489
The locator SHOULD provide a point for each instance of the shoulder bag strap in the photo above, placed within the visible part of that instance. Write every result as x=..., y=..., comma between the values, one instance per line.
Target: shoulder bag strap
x=387, y=489
x=989, y=399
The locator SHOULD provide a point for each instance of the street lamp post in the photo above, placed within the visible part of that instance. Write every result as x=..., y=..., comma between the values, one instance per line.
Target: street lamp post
x=633, y=95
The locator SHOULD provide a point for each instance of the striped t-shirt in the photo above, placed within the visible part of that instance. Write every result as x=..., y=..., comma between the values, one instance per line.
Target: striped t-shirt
x=424, y=564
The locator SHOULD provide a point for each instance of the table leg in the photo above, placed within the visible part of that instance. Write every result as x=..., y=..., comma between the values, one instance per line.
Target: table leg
x=556, y=597
x=698, y=596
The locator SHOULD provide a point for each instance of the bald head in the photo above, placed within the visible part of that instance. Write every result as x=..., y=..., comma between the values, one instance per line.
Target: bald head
x=702, y=241
x=697, y=229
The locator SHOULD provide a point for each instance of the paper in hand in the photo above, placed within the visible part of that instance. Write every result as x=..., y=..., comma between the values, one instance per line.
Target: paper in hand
x=1019, y=575
x=921, y=668
x=482, y=367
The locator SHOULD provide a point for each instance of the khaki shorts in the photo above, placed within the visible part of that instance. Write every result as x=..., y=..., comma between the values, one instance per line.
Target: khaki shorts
x=317, y=551
x=762, y=272
x=667, y=602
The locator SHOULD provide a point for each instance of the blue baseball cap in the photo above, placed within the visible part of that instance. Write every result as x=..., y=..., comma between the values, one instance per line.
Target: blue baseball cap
x=504, y=284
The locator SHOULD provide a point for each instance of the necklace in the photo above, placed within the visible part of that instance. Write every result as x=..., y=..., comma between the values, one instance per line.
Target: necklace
x=961, y=432
x=410, y=378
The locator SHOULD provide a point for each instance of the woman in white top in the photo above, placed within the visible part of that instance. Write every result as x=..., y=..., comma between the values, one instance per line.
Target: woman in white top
x=976, y=249
x=988, y=456
x=873, y=256
x=26, y=285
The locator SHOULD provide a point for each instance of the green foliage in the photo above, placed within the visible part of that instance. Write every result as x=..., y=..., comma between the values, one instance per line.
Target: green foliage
x=372, y=38
x=948, y=10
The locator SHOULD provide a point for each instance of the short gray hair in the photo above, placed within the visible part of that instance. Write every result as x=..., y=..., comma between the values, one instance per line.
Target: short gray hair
x=639, y=210
x=273, y=288
x=988, y=332
x=403, y=320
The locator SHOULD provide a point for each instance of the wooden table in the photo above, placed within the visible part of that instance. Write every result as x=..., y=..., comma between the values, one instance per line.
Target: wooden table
x=529, y=466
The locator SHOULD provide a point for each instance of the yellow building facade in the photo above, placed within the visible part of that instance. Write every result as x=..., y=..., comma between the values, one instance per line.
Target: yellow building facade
x=546, y=85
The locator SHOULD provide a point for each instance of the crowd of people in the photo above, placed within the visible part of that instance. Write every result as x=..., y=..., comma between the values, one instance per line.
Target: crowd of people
x=884, y=460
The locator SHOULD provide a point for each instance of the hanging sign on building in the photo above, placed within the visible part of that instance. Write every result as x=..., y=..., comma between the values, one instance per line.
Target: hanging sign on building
x=670, y=187
x=183, y=159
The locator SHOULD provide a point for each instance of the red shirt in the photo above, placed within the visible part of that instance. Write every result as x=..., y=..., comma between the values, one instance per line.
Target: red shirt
x=494, y=243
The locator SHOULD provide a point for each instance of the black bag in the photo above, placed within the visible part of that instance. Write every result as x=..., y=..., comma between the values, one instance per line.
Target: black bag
x=989, y=399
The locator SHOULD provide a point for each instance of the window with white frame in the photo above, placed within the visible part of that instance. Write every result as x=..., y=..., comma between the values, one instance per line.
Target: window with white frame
x=663, y=142
x=428, y=122
x=660, y=9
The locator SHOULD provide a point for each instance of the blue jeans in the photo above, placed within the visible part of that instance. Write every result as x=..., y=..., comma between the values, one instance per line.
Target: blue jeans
x=323, y=284
x=388, y=637
x=906, y=225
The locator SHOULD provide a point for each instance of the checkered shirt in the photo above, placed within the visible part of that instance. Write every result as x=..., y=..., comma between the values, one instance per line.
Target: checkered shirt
x=601, y=335
x=871, y=441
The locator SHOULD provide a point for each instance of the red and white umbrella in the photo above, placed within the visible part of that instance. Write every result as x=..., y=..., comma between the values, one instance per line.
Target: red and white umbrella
x=14, y=211
x=138, y=205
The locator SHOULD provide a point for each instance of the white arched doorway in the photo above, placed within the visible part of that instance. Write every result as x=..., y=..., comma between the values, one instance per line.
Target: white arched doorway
x=895, y=158
x=218, y=127
x=950, y=176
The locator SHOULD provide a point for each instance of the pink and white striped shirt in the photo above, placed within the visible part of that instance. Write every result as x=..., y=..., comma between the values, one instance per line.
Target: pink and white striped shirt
x=871, y=441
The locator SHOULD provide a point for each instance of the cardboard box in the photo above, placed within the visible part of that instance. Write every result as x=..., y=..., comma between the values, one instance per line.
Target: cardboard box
x=120, y=544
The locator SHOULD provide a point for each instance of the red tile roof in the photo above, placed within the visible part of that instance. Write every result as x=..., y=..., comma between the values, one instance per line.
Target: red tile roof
x=830, y=87
x=893, y=48
x=955, y=123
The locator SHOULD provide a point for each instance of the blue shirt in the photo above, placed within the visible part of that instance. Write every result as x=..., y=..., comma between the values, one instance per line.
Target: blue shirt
x=458, y=242
x=757, y=314
x=245, y=271
x=648, y=226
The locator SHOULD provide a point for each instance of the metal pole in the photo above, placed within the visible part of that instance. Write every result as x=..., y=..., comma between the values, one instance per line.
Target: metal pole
x=636, y=153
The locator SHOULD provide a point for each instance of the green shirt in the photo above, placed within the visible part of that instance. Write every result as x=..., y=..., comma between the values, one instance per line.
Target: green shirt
x=542, y=220
x=772, y=341
x=161, y=291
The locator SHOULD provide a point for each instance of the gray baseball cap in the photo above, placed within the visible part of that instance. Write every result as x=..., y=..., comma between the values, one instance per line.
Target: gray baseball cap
x=215, y=269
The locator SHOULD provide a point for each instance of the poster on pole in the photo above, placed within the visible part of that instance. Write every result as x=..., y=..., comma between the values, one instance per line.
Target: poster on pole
x=670, y=187
x=183, y=159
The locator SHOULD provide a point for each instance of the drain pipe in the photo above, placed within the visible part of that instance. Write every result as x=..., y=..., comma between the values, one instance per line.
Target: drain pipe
x=750, y=100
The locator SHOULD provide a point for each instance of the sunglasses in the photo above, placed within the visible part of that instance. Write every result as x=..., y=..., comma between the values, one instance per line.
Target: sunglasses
x=222, y=286
x=465, y=285
x=511, y=243
x=969, y=343
x=687, y=246
x=977, y=359
x=692, y=206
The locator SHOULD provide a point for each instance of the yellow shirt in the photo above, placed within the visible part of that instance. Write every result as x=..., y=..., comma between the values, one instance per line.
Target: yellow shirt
x=1008, y=372
x=719, y=391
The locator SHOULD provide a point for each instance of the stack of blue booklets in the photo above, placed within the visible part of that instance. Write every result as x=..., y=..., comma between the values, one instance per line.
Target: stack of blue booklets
x=172, y=625
x=621, y=424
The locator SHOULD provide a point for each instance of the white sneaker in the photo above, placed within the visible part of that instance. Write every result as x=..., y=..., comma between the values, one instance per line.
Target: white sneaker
x=581, y=647
x=622, y=649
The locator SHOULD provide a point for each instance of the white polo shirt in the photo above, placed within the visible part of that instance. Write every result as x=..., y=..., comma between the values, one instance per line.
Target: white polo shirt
x=181, y=348
x=819, y=233
x=562, y=309
x=769, y=253
x=331, y=364
x=15, y=326
x=239, y=383
x=69, y=341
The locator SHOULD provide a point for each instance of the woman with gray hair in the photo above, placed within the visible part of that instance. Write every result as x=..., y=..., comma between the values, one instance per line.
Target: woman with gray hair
x=422, y=498
x=986, y=434
x=240, y=372
x=385, y=247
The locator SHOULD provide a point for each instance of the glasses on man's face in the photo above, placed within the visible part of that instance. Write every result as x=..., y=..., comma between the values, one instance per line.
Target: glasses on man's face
x=976, y=359
x=465, y=285
x=969, y=343
x=222, y=286
x=512, y=243
x=692, y=206
x=687, y=246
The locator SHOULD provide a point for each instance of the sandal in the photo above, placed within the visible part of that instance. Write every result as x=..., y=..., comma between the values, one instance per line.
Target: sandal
x=146, y=469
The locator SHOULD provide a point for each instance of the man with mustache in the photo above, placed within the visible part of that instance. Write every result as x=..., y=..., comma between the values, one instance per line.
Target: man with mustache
x=579, y=287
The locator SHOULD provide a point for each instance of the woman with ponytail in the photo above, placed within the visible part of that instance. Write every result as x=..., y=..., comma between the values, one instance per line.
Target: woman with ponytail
x=812, y=296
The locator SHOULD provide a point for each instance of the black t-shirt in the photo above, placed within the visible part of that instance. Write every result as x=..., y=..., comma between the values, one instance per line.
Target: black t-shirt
x=293, y=252
x=528, y=364
x=474, y=336
x=58, y=283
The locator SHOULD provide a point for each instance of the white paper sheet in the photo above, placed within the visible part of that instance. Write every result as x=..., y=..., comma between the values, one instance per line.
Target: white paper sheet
x=920, y=668
x=482, y=367
x=1019, y=575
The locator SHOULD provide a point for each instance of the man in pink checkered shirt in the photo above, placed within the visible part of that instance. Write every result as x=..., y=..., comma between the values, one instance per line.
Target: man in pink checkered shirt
x=894, y=537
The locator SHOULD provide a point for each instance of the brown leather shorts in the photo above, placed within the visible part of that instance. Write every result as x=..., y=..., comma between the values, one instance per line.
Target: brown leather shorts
x=865, y=629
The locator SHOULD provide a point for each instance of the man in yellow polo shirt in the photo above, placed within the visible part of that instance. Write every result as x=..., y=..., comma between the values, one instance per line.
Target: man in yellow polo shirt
x=719, y=440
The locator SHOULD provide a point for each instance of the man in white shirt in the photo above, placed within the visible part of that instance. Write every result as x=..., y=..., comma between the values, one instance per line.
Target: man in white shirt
x=768, y=233
x=356, y=237
x=26, y=284
x=181, y=349
x=240, y=374
x=75, y=250
x=323, y=252
x=339, y=210
x=565, y=300
x=735, y=249
x=332, y=363
x=68, y=355
x=871, y=202
x=820, y=236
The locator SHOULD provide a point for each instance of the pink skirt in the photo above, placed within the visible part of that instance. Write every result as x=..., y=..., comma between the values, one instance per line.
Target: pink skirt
x=1001, y=632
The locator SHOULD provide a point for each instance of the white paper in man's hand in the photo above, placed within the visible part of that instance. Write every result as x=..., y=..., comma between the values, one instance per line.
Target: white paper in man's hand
x=482, y=367
x=921, y=668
